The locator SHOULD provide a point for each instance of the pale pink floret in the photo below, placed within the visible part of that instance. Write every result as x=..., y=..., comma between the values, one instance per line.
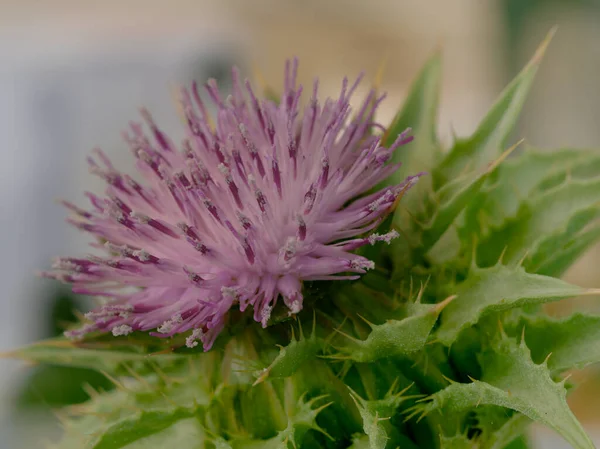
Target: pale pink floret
x=240, y=214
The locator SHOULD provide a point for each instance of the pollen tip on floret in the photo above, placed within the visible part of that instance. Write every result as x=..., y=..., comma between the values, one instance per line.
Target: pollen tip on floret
x=168, y=326
x=139, y=217
x=265, y=315
x=81, y=332
x=192, y=340
x=230, y=292
x=295, y=307
x=122, y=329
x=361, y=264
x=223, y=169
x=387, y=238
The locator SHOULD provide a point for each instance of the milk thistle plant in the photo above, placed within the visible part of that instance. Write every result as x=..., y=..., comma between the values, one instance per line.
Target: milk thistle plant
x=296, y=275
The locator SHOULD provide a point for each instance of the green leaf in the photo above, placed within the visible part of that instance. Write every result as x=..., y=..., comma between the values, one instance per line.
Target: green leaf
x=418, y=113
x=375, y=415
x=544, y=225
x=262, y=410
x=492, y=133
x=556, y=253
x=449, y=205
x=530, y=173
x=512, y=380
x=131, y=414
x=60, y=351
x=521, y=442
x=360, y=442
x=556, y=264
x=396, y=337
x=582, y=165
x=572, y=342
x=498, y=427
x=300, y=421
x=186, y=433
x=319, y=378
x=452, y=199
x=145, y=426
x=498, y=288
x=516, y=185
x=457, y=442
x=292, y=356
x=58, y=386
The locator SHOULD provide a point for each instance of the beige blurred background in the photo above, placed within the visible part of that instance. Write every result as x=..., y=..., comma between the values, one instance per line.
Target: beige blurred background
x=72, y=73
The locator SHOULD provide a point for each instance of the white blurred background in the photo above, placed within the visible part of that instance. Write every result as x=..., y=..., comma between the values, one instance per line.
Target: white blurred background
x=72, y=73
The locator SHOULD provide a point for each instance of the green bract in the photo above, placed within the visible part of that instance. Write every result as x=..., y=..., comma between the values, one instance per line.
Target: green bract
x=444, y=345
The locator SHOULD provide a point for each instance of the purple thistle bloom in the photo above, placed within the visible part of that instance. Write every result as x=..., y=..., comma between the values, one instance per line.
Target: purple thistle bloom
x=246, y=211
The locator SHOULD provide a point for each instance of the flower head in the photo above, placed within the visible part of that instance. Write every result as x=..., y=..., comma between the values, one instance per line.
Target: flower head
x=240, y=214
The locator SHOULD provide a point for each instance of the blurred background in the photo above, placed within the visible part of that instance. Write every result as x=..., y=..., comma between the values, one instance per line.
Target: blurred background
x=72, y=73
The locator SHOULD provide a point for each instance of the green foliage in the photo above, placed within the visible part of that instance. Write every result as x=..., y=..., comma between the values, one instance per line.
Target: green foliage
x=114, y=361
x=443, y=346
x=57, y=386
x=376, y=414
x=418, y=113
x=488, y=290
x=456, y=442
x=396, y=337
x=572, y=342
x=499, y=428
x=292, y=356
x=512, y=380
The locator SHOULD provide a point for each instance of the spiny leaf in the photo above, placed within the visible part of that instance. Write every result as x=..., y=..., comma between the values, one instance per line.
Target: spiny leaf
x=143, y=426
x=517, y=184
x=546, y=222
x=572, y=342
x=419, y=156
x=498, y=426
x=559, y=241
x=133, y=413
x=300, y=421
x=512, y=429
x=220, y=443
x=491, y=135
x=583, y=164
x=498, y=288
x=459, y=441
x=292, y=356
x=186, y=433
x=360, y=442
x=511, y=379
x=396, y=337
x=532, y=172
x=556, y=264
x=418, y=113
x=374, y=413
x=304, y=419
x=64, y=352
x=262, y=410
x=319, y=378
x=453, y=198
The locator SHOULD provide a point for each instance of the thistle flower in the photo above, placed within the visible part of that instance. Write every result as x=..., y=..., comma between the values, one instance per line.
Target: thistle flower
x=240, y=215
